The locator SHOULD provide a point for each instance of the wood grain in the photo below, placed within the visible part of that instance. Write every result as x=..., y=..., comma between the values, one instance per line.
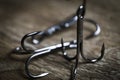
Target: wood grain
x=18, y=17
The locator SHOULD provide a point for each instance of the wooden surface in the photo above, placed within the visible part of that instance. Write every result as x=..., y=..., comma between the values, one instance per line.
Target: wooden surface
x=18, y=17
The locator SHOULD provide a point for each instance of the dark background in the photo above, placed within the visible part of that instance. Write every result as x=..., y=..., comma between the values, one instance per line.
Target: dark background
x=18, y=17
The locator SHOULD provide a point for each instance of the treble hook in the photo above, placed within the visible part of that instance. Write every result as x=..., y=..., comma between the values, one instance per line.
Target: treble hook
x=81, y=14
x=63, y=46
x=61, y=26
x=46, y=50
x=51, y=30
x=55, y=28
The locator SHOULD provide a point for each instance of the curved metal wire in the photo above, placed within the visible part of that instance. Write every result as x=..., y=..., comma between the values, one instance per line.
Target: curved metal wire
x=43, y=34
x=81, y=14
x=46, y=50
x=78, y=43
x=80, y=21
x=96, y=33
x=80, y=30
x=29, y=74
x=64, y=25
x=53, y=29
x=63, y=46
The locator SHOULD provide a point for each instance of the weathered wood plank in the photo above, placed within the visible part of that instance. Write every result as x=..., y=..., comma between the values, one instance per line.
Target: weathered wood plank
x=20, y=17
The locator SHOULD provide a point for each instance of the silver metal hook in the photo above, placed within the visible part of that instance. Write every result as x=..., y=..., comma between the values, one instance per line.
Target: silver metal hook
x=81, y=14
x=29, y=74
x=80, y=35
x=23, y=48
x=63, y=46
x=67, y=45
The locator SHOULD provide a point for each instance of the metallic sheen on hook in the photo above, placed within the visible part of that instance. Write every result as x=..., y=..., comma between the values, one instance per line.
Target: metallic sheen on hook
x=63, y=46
x=75, y=44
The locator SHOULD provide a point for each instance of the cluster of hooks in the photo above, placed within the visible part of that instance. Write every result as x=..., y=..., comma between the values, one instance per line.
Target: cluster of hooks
x=77, y=44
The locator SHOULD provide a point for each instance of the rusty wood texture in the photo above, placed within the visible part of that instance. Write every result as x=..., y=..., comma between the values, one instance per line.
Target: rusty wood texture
x=18, y=17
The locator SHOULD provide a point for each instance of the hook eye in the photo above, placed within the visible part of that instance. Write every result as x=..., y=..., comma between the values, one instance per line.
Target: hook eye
x=34, y=37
